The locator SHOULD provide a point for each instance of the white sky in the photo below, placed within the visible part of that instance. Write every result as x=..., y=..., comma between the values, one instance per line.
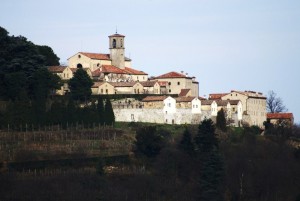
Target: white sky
x=226, y=44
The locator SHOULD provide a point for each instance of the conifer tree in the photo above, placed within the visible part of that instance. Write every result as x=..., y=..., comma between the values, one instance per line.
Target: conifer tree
x=186, y=143
x=212, y=168
x=205, y=139
x=80, y=85
x=221, y=120
x=100, y=110
x=109, y=113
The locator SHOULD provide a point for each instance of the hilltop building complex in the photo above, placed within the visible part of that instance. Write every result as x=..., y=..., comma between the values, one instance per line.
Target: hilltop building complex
x=176, y=99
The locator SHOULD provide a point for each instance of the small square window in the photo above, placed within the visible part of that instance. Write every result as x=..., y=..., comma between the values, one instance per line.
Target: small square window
x=169, y=83
x=178, y=83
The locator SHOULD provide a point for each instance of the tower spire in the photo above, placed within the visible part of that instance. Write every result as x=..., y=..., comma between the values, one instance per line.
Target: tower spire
x=116, y=29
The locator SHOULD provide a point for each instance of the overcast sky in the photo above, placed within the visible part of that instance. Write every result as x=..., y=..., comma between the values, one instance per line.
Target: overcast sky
x=226, y=44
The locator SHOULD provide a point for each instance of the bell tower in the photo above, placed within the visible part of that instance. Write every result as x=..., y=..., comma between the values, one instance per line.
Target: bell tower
x=117, y=50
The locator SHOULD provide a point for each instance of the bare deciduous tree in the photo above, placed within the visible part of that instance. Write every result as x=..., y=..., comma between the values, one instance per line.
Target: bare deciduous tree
x=274, y=103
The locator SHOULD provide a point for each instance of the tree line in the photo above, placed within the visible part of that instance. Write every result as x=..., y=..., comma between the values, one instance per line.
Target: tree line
x=27, y=89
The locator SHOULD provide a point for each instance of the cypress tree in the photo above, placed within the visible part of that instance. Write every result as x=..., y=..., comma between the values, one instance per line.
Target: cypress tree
x=100, y=110
x=109, y=113
x=205, y=139
x=212, y=168
x=221, y=120
x=186, y=143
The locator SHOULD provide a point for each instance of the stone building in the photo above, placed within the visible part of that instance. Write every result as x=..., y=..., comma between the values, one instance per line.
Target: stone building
x=283, y=119
x=176, y=82
x=180, y=110
x=254, y=106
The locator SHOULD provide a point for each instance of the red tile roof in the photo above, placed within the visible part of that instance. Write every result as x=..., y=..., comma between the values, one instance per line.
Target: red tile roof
x=163, y=83
x=216, y=96
x=56, y=69
x=133, y=71
x=184, y=92
x=280, y=116
x=111, y=69
x=154, y=98
x=96, y=55
x=96, y=73
x=172, y=75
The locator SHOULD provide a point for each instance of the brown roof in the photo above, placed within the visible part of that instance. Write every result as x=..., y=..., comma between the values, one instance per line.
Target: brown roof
x=280, y=116
x=184, y=92
x=216, y=96
x=184, y=99
x=75, y=69
x=206, y=102
x=123, y=84
x=56, y=69
x=221, y=102
x=96, y=55
x=154, y=98
x=133, y=71
x=116, y=35
x=97, y=84
x=251, y=94
x=148, y=83
x=172, y=75
x=202, y=98
x=234, y=102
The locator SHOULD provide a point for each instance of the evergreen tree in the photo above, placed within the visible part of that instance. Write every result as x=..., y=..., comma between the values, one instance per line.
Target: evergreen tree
x=148, y=142
x=205, y=139
x=51, y=59
x=186, y=143
x=221, y=120
x=109, y=113
x=70, y=113
x=212, y=176
x=212, y=168
x=100, y=110
x=80, y=85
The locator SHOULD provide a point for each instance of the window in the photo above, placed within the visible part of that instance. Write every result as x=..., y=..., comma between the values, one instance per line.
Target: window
x=166, y=112
x=98, y=64
x=114, y=43
x=169, y=90
x=166, y=120
x=102, y=91
x=169, y=104
x=178, y=83
x=79, y=56
x=121, y=42
x=79, y=65
x=169, y=83
x=106, y=90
